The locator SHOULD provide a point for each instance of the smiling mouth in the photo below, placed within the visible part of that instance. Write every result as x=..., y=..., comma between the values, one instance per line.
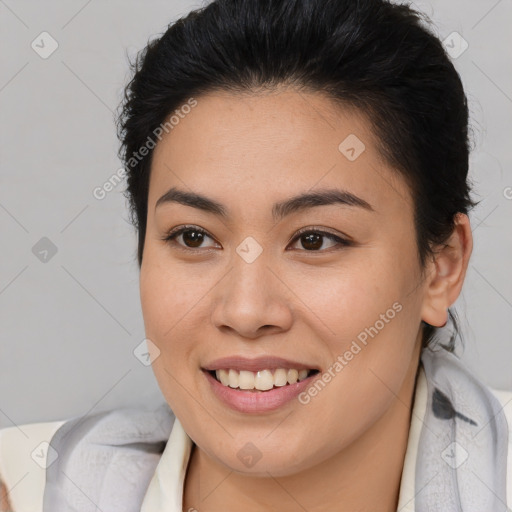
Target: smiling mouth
x=263, y=380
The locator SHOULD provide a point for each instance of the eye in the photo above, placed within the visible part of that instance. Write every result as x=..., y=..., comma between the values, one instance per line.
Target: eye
x=312, y=239
x=192, y=236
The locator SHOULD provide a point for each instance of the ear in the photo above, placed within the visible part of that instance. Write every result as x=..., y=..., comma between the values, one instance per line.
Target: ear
x=446, y=272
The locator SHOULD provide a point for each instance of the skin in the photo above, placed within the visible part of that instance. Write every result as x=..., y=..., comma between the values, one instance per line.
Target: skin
x=344, y=450
x=5, y=506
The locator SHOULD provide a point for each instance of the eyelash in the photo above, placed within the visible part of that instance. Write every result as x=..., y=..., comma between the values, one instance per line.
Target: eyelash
x=173, y=234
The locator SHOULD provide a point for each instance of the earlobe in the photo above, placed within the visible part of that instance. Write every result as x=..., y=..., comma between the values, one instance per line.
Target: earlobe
x=434, y=311
x=446, y=273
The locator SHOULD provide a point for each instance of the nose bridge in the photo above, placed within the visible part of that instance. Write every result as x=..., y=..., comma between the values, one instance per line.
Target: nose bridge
x=250, y=277
x=251, y=296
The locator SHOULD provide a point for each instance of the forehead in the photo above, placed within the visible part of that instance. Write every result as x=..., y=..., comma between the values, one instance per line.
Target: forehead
x=254, y=146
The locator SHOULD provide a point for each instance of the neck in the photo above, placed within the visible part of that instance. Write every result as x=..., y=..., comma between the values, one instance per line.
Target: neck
x=365, y=476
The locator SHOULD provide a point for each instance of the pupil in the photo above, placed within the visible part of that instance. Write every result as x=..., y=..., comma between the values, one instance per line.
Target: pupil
x=314, y=238
x=195, y=238
x=191, y=240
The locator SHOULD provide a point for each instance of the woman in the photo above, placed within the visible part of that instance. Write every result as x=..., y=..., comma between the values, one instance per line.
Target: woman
x=297, y=173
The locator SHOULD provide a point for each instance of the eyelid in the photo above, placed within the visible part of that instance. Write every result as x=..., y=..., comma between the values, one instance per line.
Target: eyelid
x=342, y=240
x=323, y=231
x=172, y=234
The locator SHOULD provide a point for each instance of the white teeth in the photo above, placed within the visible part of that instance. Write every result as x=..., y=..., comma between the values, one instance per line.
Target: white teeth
x=246, y=380
x=293, y=376
x=262, y=380
x=303, y=374
x=280, y=377
x=223, y=376
x=233, y=379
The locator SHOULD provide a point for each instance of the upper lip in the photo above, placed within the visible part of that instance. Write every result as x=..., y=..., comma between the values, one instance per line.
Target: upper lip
x=256, y=364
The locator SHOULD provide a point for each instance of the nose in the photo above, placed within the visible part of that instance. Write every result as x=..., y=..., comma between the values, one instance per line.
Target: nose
x=252, y=301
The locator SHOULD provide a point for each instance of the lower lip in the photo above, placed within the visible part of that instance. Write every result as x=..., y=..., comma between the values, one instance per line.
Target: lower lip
x=257, y=401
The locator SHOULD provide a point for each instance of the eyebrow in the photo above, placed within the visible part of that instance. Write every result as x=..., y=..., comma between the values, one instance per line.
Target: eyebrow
x=279, y=210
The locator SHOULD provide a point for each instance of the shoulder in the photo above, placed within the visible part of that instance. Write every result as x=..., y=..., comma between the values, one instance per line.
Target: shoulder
x=505, y=399
x=124, y=445
x=23, y=461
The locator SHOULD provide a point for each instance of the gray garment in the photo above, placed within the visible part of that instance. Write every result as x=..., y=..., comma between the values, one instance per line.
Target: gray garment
x=462, y=453
x=107, y=460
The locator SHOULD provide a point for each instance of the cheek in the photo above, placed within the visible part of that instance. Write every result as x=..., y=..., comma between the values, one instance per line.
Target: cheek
x=153, y=302
x=168, y=295
x=376, y=320
x=173, y=307
x=352, y=296
x=365, y=313
x=164, y=308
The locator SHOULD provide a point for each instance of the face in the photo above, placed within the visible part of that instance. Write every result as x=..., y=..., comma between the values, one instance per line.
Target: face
x=331, y=284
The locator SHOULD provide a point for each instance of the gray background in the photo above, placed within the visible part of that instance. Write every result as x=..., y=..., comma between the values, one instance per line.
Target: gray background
x=69, y=325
